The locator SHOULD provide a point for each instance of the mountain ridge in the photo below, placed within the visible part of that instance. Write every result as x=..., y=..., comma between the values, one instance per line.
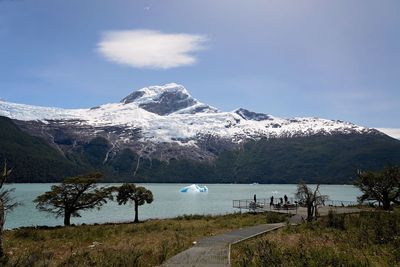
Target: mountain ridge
x=161, y=133
x=171, y=109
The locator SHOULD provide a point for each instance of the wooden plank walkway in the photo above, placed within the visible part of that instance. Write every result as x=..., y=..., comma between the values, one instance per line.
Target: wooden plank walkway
x=214, y=251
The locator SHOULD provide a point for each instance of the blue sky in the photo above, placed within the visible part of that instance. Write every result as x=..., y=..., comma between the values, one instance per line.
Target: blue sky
x=330, y=59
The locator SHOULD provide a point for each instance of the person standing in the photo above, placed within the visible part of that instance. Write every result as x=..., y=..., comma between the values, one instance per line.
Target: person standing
x=271, y=203
x=255, y=198
x=286, y=199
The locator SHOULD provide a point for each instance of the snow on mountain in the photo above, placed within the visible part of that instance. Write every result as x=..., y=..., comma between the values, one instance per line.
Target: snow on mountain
x=169, y=114
x=167, y=99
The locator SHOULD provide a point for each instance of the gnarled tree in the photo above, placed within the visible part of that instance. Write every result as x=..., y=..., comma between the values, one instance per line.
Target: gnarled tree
x=137, y=194
x=6, y=203
x=383, y=186
x=310, y=198
x=74, y=195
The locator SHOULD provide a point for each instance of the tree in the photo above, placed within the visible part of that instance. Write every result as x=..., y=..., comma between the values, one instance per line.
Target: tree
x=6, y=203
x=74, y=195
x=311, y=199
x=383, y=186
x=136, y=194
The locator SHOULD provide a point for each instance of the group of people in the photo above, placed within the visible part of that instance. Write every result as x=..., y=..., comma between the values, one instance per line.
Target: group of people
x=275, y=203
x=282, y=201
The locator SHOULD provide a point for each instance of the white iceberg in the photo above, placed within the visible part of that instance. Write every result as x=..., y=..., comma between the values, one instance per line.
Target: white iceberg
x=194, y=188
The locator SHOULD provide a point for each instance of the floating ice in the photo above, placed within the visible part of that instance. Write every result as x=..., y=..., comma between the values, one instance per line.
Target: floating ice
x=275, y=192
x=194, y=188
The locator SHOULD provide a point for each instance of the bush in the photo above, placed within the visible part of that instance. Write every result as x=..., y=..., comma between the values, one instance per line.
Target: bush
x=335, y=220
x=268, y=254
x=275, y=217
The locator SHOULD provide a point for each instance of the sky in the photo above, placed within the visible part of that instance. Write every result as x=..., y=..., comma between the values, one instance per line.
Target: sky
x=330, y=59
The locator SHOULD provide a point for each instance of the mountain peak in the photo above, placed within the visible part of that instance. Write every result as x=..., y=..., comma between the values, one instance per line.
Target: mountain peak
x=155, y=92
x=166, y=99
x=250, y=115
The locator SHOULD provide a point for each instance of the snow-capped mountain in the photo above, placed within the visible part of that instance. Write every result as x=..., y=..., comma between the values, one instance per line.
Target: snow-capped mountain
x=164, y=122
x=167, y=99
x=162, y=134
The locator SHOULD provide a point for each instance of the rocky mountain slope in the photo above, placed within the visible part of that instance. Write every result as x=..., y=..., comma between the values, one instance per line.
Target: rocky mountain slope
x=163, y=124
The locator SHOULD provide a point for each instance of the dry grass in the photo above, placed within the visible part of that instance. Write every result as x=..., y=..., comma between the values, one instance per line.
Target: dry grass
x=144, y=244
x=366, y=239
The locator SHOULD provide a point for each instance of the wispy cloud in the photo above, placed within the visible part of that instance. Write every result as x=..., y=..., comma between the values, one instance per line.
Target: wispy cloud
x=150, y=49
x=392, y=132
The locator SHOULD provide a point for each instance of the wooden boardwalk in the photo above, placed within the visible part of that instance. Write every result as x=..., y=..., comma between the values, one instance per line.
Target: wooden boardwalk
x=215, y=251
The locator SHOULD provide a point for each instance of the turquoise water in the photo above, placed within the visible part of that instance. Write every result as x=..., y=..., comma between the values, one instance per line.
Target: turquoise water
x=168, y=202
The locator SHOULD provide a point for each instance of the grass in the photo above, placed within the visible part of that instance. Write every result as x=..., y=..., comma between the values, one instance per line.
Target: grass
x=145, y=244
x=364, y=239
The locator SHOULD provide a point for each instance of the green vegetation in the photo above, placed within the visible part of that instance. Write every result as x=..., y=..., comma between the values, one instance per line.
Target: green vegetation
x=316, y=159
x=31, y=158
x=136, y=194
x=73, y=195
x=364, y=239
x=144, y=244
x=383, y=186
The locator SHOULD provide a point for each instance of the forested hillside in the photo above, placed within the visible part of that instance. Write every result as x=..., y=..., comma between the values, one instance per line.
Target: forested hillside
x=319, y=159
x=31, y=158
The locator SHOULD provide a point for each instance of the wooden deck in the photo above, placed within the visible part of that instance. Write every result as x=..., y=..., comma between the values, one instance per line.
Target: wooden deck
x=263, y=205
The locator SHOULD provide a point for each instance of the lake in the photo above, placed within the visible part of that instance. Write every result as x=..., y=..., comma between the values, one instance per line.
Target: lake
x=168, y=202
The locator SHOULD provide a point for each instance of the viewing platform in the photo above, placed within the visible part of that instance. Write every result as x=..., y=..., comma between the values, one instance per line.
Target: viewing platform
x=263, y=204
x=293, y=207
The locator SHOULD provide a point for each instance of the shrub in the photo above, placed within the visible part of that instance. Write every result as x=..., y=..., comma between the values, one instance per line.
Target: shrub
x=335, y=220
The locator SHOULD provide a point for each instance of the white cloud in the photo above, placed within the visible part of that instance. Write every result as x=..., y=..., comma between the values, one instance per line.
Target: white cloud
x=392, y=132
x=150, y=49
